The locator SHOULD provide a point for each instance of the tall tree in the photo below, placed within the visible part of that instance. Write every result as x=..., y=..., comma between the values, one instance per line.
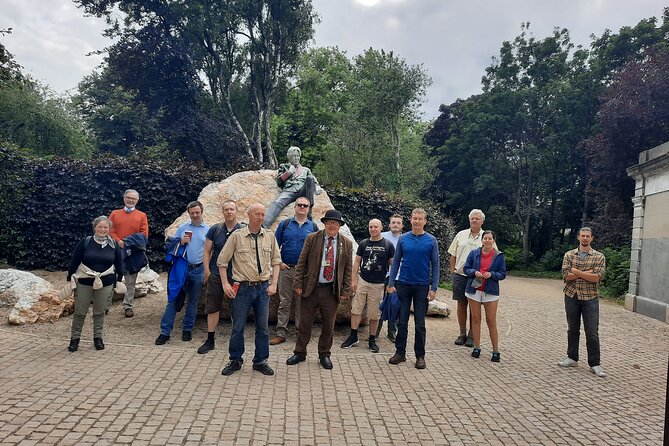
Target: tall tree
x=387, y=88
x=233, y=42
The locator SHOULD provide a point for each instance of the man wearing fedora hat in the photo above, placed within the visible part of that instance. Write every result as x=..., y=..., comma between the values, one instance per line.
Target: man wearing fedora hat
x=322, y=278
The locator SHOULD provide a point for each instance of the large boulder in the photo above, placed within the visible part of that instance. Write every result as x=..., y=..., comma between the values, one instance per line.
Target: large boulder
x=33, y=298
x=148, y=282
x=247, y=188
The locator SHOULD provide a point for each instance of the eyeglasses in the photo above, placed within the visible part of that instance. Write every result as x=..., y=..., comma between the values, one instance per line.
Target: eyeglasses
x=302, y=205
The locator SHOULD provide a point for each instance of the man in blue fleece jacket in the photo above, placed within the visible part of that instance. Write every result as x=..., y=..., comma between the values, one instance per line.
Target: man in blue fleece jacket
x=417, y=253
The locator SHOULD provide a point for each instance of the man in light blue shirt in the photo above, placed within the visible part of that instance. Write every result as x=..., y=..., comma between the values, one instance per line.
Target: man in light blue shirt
x=192, y=234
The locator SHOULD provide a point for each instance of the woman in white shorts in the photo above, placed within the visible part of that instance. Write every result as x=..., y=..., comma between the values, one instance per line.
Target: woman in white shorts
x=484, y=268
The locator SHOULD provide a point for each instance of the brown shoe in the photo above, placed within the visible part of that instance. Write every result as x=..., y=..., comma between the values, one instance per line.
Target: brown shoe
x=420, y=363
x=277, y=340
x=129, y=312
x=396, y=359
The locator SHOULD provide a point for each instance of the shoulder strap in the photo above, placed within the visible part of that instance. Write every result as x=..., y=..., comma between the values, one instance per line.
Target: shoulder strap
x=88, y=240
x=283, y=225
x=219, y=228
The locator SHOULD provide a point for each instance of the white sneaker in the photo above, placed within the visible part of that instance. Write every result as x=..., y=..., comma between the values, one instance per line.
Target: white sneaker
x=567, y=362
x=598, y=370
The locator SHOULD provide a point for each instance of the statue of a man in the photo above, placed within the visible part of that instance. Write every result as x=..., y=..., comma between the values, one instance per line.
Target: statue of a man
x=295, y=181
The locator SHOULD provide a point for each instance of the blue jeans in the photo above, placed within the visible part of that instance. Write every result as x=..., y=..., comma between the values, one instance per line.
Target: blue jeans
x=589, y=310
x=407, y=294
x=250, y=297
x=193, y=290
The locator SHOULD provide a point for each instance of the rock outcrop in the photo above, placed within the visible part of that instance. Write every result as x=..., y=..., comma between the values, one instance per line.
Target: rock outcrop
x=33, y=298
x=148, y=282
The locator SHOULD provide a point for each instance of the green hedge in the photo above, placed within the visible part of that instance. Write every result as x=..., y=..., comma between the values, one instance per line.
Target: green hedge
x=49, y=204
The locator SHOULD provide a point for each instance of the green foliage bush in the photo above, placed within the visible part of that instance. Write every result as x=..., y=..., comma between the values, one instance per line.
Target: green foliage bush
x=48, y=205
x=514, y=256
x=616, y=277
x=358, y=207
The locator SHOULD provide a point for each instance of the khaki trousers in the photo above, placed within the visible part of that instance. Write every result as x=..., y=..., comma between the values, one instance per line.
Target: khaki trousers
x=286, y=298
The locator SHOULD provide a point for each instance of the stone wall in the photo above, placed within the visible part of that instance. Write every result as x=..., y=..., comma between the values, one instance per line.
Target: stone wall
x=648, y=282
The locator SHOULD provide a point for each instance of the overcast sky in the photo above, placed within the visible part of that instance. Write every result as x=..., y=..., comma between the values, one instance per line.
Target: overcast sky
x=453, y=39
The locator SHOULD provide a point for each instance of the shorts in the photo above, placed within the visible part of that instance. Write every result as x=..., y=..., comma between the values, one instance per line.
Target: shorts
x=371, y=294
x=482, y=297
x=214, y=296
x=459, y=284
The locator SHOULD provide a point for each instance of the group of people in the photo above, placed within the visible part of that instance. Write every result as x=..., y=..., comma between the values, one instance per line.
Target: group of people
x=316, y=269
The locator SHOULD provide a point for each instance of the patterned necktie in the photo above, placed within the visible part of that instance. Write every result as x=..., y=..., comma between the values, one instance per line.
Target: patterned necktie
x=328, y=270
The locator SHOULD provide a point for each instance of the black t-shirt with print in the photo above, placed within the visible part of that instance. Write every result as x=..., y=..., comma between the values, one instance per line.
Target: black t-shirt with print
x=375, y=256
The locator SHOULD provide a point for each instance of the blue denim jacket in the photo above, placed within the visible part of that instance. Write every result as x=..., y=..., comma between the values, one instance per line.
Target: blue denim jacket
x=497, y=271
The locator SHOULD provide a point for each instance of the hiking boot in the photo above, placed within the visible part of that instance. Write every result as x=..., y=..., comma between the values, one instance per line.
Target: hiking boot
x=372, y=346
x=207, y=346
x=567, y=362
x=129, y=312
x=469, y=342
x=461, y=339
x=495, y=357
x=350, y=342
x=476, y=352
x=187, y=336
x=99, y=345
x=74, y=345
x=231, y=367
x=598, y=370
x=162, y=339
x=396, y=359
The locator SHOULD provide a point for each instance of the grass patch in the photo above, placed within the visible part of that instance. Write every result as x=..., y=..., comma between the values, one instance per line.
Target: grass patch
x=446, y=285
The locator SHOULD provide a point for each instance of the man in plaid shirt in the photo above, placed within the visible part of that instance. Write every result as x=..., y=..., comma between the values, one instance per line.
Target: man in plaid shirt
x=583, y=270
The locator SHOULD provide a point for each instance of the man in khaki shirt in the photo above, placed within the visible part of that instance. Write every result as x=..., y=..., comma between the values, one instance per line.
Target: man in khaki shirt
x=255, y=257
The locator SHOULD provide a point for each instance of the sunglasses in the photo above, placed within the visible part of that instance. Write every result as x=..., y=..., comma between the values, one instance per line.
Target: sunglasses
x=302, y=205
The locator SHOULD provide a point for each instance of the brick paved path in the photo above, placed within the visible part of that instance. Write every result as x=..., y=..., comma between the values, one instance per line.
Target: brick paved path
x=143, y=394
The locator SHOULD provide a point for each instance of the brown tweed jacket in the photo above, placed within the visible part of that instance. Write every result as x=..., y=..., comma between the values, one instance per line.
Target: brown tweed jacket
x=309, y=265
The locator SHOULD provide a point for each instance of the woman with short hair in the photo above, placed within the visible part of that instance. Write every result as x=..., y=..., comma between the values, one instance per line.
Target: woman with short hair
x=95, y=267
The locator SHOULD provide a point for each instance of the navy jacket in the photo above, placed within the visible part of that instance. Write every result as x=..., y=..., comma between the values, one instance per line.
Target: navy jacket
x=497, y=271
x=135, y=253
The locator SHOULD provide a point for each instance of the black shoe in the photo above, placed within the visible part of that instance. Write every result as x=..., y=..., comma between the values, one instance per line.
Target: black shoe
x=476, y=353
x=350, y=342
x=99, y=345
x=263, y=368
x=372, y=346
x=396, y=359
x=74, y=345
x=187, y=336
x=325, y=362
x=469, y=342
x=495, y=357
x=392, y=337
x=162, y=339
x=296, y=359
x=461, y=339
x=207, y=346
x=231, y=367
x=420, y=363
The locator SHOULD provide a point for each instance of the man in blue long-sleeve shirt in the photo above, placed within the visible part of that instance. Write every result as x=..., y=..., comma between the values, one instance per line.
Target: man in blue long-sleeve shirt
x=417, y=253
x=290, y=235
